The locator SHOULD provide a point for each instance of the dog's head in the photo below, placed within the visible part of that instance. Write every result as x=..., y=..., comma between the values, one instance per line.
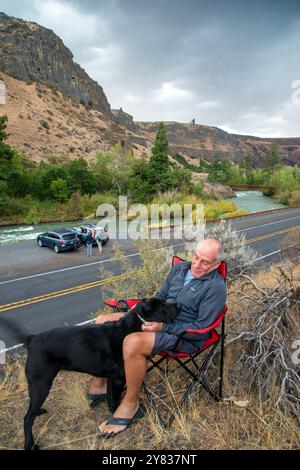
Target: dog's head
x=154, y=309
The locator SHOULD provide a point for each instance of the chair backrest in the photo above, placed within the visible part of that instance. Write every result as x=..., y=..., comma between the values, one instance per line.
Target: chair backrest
x=222, y=268
x=223, y=271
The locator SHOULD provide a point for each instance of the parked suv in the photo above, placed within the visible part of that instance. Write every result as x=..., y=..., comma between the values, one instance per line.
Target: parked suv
x=59, y=240
x=83, y=230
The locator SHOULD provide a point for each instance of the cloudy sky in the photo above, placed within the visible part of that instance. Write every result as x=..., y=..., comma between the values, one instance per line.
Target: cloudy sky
x=231, y=64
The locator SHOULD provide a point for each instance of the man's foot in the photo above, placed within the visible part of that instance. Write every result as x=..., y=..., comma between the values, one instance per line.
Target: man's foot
x=97, y=391
x=124, y=416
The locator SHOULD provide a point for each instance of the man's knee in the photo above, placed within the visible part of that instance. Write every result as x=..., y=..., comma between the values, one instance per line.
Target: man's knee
x=138, y=343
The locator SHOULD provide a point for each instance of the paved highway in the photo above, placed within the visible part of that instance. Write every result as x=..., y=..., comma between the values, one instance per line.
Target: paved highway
x=42, y=290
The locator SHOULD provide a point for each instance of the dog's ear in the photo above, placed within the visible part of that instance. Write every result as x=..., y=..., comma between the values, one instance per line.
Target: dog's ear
x=145, y=308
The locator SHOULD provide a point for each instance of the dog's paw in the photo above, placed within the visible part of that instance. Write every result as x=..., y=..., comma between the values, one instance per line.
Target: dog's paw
x=42, y=411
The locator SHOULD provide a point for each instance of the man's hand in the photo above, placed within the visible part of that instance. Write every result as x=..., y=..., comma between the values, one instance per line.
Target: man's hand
x=152, y=326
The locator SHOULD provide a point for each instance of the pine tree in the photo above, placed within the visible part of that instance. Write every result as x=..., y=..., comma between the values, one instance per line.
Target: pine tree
x=3, y=134
x=6, y=152
x=247, y=162
x=160, y=174
x=274, y=157
x=6, y=156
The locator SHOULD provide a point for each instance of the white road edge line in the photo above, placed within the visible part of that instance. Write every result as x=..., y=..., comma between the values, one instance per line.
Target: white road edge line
x=269, y=223
x=77, y=267
x=127, y=256
x=60, y=270
x=90, y=321
x=265, y=256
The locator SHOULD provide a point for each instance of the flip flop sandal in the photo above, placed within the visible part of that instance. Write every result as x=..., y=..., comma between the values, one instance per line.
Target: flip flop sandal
x=122, y=422
x=96, y=398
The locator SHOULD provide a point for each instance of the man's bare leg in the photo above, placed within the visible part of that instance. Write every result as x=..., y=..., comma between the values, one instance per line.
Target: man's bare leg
x=98, y=384
x=136, y=348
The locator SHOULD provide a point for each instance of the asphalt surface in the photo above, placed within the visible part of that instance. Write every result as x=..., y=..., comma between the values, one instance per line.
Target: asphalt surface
x=64, y=289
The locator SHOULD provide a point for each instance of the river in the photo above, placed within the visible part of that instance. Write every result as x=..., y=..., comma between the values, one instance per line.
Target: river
x=14, y=233
x=252, y=201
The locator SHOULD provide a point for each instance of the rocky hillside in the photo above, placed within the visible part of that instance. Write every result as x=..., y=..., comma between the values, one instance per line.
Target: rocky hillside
x=54, y=107
x=211, y=143
x=258, y=148
x=30, y=53
x=42, y=122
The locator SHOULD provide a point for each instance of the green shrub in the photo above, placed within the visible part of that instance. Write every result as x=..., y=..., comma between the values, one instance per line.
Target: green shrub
x=211, y=212
x=294, y=199
x=282, y=197
x=198, y=189
x=237, y=213
x=32, y=216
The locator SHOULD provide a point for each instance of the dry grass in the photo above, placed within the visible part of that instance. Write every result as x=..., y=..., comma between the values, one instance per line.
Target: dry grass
x=204, y=424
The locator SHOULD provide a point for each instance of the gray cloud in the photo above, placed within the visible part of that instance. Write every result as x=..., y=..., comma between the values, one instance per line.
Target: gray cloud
x=228, y=64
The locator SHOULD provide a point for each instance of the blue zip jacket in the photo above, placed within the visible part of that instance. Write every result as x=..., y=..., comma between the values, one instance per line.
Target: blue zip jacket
x=202, y=300
x=89, y=239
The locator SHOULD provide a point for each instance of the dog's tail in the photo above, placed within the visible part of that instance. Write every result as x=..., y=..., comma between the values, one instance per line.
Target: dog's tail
x=20, y=332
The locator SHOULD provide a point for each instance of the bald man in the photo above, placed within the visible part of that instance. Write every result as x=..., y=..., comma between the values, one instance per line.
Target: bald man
x=201, y=291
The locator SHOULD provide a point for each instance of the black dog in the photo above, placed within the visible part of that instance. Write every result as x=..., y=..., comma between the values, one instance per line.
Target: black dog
x=92, y=349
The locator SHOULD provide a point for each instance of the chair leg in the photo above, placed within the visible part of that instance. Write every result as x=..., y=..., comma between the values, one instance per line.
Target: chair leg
x=153, y=405
x=182, y=403
x=167, y=368
x=197, y=378
x=222, y=360
x=209, y=388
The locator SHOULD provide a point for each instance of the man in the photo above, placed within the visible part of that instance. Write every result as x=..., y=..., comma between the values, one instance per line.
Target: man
x=89, y=243
x=99, y=242
x=201, y=291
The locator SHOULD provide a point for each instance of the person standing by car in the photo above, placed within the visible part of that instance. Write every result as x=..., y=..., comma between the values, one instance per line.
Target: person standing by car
x=89, y=243
x=99, y=242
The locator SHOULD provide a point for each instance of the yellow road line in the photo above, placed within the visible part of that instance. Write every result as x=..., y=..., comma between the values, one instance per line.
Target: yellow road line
x=53, y=295
x=90, y=285
x=272, y=234
x=66, y=291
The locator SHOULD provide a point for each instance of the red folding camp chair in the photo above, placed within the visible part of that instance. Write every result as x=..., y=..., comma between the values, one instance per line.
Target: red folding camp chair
x=184, y=359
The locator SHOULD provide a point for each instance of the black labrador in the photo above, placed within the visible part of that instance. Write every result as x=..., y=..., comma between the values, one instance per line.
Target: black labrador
x=92, y=349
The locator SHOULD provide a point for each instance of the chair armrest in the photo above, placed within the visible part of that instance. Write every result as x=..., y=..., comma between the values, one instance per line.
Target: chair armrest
x=195, y=332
